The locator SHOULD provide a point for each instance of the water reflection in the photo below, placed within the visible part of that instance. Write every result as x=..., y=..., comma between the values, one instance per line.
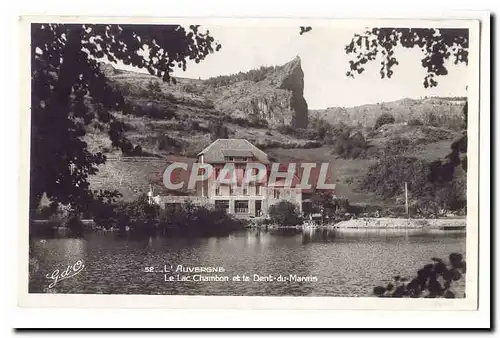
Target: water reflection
x=345, y=262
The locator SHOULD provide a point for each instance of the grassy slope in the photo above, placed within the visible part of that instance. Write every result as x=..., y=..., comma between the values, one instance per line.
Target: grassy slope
x=191, y=103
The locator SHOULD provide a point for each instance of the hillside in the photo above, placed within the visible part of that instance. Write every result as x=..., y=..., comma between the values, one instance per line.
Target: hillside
x=434, y=111
x=179, y=118
x=265, y=106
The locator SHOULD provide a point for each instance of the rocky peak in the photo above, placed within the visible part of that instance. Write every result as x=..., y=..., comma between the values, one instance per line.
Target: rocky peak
x=278, y=99
x=293, y=80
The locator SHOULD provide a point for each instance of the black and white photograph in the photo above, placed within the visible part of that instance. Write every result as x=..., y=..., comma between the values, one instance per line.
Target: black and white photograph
x=296, y=159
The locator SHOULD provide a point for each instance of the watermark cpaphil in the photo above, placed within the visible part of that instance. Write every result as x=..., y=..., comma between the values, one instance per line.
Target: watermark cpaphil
x=70, y=271
x=180, y=175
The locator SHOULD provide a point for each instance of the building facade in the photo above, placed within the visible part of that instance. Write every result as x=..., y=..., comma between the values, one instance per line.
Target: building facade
x=237, y=197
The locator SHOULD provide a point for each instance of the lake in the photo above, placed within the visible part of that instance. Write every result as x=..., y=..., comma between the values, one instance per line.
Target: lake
x=319, y=262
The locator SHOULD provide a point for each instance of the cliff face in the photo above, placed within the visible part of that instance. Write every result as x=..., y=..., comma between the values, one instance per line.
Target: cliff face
x=277, y=98
x=293, y=81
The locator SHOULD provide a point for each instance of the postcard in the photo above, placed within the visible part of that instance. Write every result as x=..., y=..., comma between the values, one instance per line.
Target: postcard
x=252, y=164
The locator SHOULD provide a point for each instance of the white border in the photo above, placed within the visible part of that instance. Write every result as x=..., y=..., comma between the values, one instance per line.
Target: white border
x=460, y=318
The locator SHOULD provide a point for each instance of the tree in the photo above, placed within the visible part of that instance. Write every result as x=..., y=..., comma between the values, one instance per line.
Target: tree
x=218, y=130
x=69, y=91
x=437, y=45
x=284, y=213
x=385, y=118
x=324, y=201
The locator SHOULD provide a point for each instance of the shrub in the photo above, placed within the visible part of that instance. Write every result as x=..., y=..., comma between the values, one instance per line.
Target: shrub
x=74, y=224
x=396, y=146
x=165, y=142
x=415, y=122
x=286, y=129
x=191, y=220
x=284, y=213
x=154, y=86
x=431, y=119
x=350, y=146
x=152, y=110
x=218, y=130
x=429, y=186
x=385, y=118
x=143, y=218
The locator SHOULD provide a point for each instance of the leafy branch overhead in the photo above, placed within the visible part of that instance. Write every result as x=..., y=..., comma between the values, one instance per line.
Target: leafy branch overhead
x=305, y=29
x=437, y=45
x=432, y=281
x=69, y=91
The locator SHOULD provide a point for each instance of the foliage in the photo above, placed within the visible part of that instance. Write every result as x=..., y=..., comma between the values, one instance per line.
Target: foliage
x=192, y=89
x=438, y=45
x=284, y=213
x=152, y=110
x=286, y=129
x=305, y=29
x=350, y=146
x=430, y=187
x=74, y=224
x=217, y=130
x=66, y=77
x=149, y=219
x=432, y=281
x=191, y=220
x=384, y=119
x=154, y=86
x=324, y=201
x=254, y=75
x=415, y=122
x=397, y=145
x=165, y=143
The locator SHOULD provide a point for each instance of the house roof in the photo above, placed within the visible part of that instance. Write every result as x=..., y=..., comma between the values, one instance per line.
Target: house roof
x=216, y=151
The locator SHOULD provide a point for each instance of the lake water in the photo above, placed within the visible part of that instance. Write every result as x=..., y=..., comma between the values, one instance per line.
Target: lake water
x=320, y=262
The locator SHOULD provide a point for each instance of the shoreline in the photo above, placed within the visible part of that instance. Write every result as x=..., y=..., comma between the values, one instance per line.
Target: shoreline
x=403, y=223
x=357, y=223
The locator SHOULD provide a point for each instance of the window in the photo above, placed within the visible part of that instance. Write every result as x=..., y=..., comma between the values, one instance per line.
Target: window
x=241, y=207
x=231, y=190
x=276, y=194
x=245, y=191
x=222, y=205
x=217, y=191
x=257, y=190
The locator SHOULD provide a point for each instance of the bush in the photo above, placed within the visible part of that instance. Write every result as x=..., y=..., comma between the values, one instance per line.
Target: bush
x=415, y=122
x=284, y=213
x=350, y=146
x=397, y=146
x=143, y=218
x=286, y=129
x=152, y=110
x=198, y=221
x=154, y=86
x=74, y=224
x=385, y=118
x=217, y=130
x=165, y=142
x=430, y=187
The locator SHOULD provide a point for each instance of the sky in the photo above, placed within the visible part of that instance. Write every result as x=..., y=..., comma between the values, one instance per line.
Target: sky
x=324, y=63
